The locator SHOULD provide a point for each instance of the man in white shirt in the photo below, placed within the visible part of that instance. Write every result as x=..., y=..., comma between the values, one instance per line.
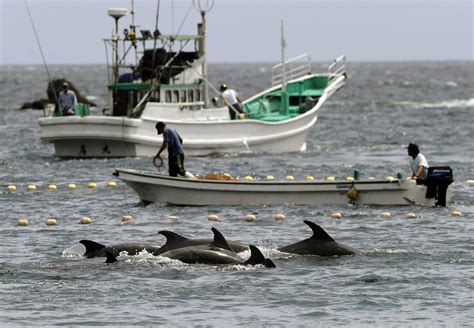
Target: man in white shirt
x=418, y=163
x=233, y=102
x=67, y=100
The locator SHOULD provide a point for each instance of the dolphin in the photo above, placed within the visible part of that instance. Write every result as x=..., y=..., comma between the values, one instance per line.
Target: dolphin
x=174, y=241
x=94, y=249
x=217, y=252
x=320, y=243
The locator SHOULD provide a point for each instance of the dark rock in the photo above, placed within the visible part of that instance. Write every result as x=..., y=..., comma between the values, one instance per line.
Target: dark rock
x=54, y=87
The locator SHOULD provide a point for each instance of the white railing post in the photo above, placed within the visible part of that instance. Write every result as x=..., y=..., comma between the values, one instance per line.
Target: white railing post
x=294, y=68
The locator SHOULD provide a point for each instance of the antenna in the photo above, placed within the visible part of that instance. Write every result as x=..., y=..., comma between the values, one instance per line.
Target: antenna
x=116, y=13
x=204, y=7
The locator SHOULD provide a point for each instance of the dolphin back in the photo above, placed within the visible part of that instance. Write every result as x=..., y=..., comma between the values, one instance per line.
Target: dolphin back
x=92, y=247
x=256, y=257
x=320, y=243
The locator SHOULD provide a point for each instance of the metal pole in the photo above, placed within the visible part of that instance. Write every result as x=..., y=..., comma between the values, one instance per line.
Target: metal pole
x=204, y=64
x=284, y=95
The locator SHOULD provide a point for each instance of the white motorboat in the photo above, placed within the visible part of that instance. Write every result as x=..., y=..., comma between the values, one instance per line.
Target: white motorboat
x=169, y=83
x=153, y=187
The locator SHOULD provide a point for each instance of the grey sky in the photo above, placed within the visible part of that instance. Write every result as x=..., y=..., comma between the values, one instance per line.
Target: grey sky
x=71, y=31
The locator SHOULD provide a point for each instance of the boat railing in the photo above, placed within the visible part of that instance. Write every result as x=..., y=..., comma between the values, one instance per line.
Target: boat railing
x=294, y=68
x=337, y=68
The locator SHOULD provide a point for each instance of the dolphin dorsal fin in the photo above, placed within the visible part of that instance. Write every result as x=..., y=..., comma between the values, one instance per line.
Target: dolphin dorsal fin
x=110, y=258
x=172, y=237
x=91, y=246
x=220, y=241
x=256, y=256
x=318, y=232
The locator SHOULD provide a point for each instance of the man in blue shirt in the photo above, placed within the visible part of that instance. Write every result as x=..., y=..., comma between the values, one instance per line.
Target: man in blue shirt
x=173, y=142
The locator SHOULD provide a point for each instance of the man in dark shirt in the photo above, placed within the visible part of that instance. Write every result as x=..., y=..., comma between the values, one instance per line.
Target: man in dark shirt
x=173, y=142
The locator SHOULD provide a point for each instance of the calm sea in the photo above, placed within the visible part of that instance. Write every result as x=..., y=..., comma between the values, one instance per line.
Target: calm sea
x=414, y=272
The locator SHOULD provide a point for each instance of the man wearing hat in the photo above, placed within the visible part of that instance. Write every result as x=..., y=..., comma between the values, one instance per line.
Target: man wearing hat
x=67, y=100
x=418, y=163
x=232, y=101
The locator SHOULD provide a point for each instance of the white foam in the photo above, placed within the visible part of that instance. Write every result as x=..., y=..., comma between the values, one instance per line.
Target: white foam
x=441, y=104
x=75, y=251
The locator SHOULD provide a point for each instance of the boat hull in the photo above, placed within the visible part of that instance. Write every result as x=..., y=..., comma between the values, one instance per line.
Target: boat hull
x=155, y=188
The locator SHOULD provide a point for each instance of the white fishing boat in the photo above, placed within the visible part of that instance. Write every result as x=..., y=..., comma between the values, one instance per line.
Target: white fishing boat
x=153, y=187
x=166, y=80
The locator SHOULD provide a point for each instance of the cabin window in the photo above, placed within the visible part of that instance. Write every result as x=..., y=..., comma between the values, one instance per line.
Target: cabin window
x=190, y=96
x=155, y=97
x=175, y=96
x=183, y=96
x=168, y=96
x=198, y=94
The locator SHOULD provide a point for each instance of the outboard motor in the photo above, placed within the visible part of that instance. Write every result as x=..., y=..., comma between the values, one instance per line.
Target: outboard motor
x=437, y=182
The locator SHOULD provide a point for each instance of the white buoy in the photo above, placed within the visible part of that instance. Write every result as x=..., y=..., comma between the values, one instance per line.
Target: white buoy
x=389, y=178
x=350, y=179
x=309, y=178
x=411, y=215
x=51, y=222
x=85, y=220
x=172, y=217
x=456, y=213
x=330, y=178
x=127, y=218
x=250, y=218
x=385, y=214
x=248, y=178
x=31, y=187
x=11, y=188
x=91, y=185
x=336, y=215
x=213, y=217
x=227, y=175
x=270, y=177
x=469, y=181
x=23, y=222
x=111, y=184
x=52, y=187
x=280, y=217
x=71, y=186
x=289, y=178
x=371, y=178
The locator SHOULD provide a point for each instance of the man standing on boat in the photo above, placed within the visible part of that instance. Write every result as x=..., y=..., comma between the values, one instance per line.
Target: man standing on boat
x=67, y=100
x=418, y=163
x=172, y=141
x=233, y=102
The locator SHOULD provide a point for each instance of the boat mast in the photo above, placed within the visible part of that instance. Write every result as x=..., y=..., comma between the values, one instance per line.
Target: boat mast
x=284, y=94
x=203, y=8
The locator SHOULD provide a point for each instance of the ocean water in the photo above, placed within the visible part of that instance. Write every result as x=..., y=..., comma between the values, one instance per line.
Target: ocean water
x=413, y=272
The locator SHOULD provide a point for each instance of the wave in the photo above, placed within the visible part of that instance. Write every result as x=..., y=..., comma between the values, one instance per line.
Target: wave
x=454, y=103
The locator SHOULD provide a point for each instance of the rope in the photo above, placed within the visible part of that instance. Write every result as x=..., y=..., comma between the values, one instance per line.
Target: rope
x=40, y=49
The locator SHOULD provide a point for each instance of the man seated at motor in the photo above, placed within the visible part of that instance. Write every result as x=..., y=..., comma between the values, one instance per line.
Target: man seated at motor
x=233, y=102
x=418, y=163
x=67, y=100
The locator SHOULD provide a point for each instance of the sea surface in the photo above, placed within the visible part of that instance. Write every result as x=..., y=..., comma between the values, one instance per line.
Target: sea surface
x=413, y=272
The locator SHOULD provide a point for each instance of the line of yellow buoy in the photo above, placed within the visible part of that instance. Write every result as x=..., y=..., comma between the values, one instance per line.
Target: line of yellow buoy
x=215, y=218
x=113, y=184
x=70, y=186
